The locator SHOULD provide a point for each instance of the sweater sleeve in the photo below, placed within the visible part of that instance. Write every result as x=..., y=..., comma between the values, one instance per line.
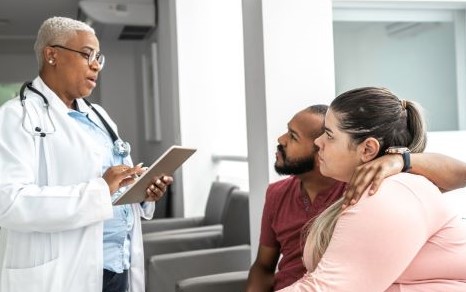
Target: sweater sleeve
x=373, y=241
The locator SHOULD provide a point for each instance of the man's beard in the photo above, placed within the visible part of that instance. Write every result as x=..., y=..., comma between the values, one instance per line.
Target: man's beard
x=294, y=167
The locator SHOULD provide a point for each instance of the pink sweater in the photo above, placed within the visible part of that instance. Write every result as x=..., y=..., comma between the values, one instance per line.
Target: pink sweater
x=404, y=238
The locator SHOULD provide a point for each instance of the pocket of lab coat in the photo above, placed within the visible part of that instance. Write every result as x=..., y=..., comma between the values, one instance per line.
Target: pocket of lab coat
x=30, y=249
x=41, y=278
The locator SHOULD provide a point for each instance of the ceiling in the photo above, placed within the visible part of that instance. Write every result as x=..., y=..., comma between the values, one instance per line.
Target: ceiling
x=20, y=21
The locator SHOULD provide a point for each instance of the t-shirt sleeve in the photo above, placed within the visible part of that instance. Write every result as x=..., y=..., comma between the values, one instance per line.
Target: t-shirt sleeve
x=372, y=244
x=268, y=237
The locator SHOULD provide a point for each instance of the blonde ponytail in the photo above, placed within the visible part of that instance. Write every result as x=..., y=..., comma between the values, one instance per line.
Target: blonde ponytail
x=321, y=230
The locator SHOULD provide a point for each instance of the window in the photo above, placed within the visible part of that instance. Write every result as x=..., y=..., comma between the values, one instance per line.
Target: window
x=8, y=91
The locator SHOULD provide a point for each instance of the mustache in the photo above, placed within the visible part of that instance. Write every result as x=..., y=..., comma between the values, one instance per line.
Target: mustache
x=315, y=148
x=281, y=150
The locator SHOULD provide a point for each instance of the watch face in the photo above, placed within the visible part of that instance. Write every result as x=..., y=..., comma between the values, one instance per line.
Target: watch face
x=396, y=150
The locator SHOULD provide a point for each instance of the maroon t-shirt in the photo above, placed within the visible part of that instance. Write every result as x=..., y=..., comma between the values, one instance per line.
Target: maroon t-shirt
x=287, y=209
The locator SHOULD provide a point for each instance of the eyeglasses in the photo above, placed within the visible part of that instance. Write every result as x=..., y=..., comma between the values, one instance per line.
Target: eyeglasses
x=91, y=57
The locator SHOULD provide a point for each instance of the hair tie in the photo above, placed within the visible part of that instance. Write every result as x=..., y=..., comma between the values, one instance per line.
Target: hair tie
x=403, y=103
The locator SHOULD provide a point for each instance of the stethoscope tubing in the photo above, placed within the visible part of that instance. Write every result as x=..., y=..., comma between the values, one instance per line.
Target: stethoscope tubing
x=35, y=130
x=120, y=147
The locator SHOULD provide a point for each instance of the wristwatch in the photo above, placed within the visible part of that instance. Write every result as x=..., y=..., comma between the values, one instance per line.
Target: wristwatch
x=405, y=153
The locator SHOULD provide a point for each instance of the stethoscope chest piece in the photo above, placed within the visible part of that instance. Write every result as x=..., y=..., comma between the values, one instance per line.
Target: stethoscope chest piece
x=121, y=148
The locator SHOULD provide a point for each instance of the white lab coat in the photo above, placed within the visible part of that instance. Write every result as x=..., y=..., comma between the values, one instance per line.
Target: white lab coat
x=53, y=201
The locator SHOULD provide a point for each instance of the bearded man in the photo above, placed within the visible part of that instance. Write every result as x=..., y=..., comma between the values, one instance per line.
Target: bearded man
x=290, y=203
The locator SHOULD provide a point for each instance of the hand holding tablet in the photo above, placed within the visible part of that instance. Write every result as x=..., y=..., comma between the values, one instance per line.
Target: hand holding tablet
x=166, y=164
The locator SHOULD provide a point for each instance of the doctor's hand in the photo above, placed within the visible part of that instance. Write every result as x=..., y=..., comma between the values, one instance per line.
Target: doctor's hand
x=157, y=188
x=120, y=176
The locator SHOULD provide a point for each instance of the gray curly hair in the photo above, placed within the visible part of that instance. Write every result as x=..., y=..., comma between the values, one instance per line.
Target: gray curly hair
x=57, y=31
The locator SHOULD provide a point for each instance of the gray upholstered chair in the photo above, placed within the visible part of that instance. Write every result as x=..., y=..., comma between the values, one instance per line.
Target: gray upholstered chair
x=167, y=270
x=213, y=215
x=224, y=282
x=231, y=253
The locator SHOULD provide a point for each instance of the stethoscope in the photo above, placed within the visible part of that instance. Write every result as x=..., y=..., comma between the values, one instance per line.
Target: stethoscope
x=120, y=147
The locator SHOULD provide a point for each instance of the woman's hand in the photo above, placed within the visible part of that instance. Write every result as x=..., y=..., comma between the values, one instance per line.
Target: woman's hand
x=157, y=188
x=120, y=176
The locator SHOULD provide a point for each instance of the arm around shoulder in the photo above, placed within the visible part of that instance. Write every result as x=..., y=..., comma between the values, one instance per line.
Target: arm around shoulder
x=444, y=171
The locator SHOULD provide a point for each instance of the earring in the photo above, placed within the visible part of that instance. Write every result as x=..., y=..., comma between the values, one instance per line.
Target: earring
x=50, y=61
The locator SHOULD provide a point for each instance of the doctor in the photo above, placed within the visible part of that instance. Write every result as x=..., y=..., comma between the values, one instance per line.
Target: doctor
x=61, y=160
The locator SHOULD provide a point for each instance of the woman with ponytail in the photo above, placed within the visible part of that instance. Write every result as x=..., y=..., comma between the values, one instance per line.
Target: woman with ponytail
x=405, y=238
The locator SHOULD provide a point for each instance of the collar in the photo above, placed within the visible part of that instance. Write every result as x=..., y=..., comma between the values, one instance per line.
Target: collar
x=52, y=97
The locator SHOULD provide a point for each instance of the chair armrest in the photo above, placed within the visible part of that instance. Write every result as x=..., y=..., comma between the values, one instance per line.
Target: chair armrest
x=225, y=282
x=217, y=228
x=170, y=223
x=167, y=269
x=155, y=244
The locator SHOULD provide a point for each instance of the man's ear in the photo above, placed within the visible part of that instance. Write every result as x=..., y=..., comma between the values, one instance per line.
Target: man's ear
x=369, y=149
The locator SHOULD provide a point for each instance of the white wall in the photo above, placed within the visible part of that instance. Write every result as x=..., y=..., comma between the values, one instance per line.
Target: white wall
x=298, y=53
x=447, y=142
x=211, y=90
x=450, y=143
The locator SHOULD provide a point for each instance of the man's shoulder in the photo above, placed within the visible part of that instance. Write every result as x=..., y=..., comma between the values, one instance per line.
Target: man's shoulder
x=285, y=182
x=283, y=185
x=281, y=193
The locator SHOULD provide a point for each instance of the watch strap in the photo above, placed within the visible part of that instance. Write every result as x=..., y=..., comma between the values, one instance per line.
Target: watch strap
x=406, y=161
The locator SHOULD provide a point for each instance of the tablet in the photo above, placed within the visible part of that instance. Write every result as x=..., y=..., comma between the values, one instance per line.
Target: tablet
x=167, y=163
